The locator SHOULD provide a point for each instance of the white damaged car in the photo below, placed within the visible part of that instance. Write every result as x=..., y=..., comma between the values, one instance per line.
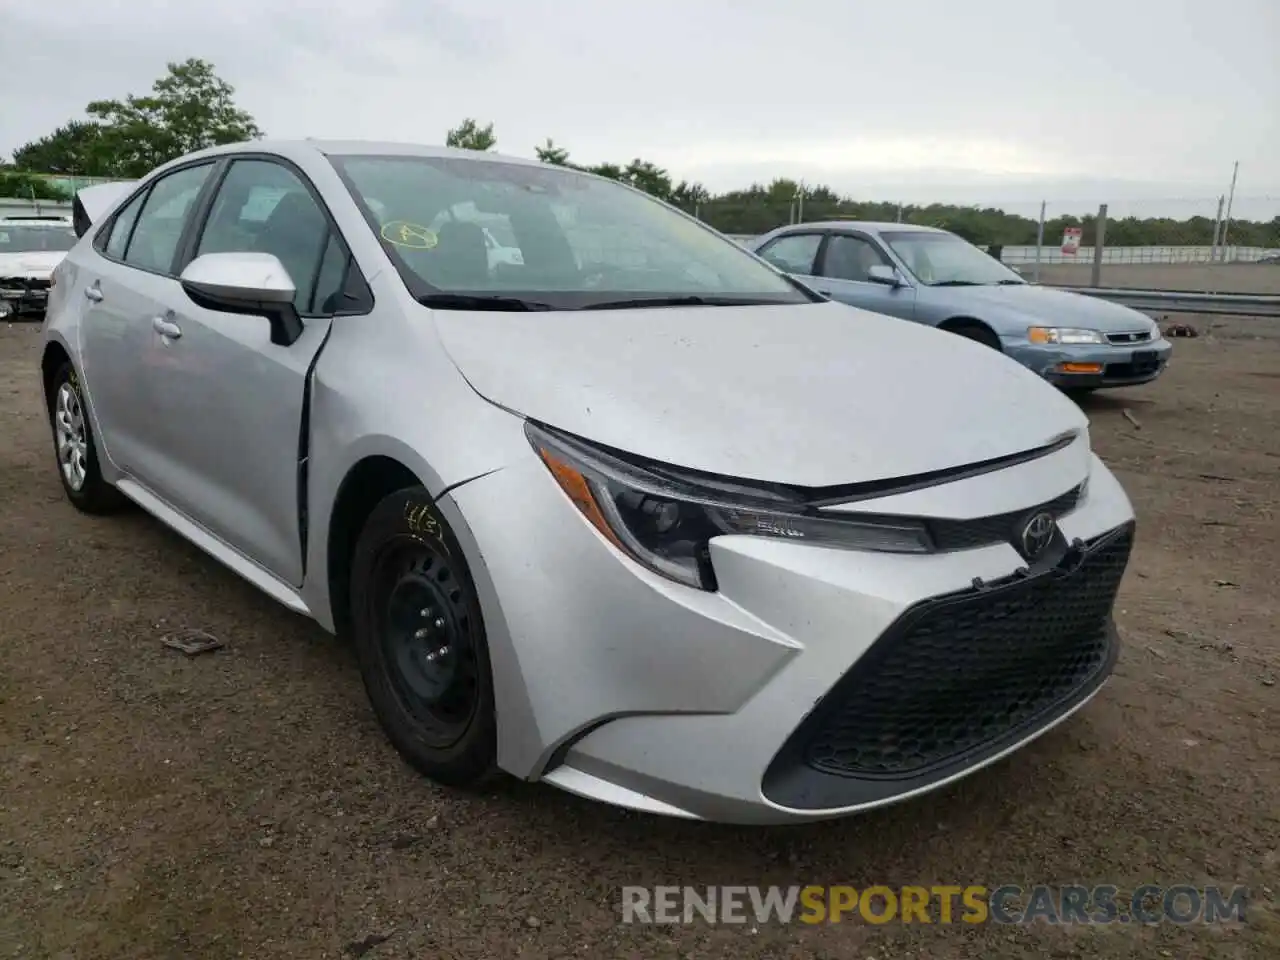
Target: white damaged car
x=30, y=247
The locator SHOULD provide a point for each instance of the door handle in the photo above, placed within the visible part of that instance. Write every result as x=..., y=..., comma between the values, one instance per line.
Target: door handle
x=93, y=293
x=166, y=329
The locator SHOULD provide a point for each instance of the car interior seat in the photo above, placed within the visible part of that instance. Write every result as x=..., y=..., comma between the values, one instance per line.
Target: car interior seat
x=460, y=259
x=295, y=232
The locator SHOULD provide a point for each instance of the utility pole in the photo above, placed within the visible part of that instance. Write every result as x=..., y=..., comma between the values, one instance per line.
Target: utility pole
x=1231, y=195
x=1217, y=230
x=1099, y=238
x=1039, y=242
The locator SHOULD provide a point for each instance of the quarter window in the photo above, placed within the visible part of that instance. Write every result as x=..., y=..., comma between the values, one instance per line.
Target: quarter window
x=163, y=217
x=793, y=253
x=122, y=226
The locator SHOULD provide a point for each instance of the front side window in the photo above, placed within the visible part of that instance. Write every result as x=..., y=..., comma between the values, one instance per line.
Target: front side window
x=25, y=238
x=851, y=258
x=263, y=207
x=163, y=218
x=566, y=240
x=945, y=260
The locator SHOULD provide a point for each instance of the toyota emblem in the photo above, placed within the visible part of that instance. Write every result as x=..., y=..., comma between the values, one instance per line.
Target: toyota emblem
x=1037, y=535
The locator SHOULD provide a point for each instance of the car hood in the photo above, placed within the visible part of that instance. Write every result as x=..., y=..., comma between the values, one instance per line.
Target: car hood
x=39, y=263
x=1047, y=306
x=812, y=395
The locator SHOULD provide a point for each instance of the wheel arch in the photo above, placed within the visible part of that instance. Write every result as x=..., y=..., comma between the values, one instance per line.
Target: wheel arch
x=363, y=487
x=51, y=360
x=961, y=322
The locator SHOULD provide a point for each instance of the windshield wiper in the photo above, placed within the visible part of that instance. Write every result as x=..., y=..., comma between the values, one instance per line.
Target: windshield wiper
x=957, y=283
x=689, y=300
x=1011, y=283
x=478, y=301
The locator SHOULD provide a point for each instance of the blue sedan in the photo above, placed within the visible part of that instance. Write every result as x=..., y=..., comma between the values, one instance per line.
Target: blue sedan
x=934, y=277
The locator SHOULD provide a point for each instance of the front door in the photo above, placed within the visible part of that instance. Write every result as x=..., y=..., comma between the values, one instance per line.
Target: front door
x=845, y=270
x=232, y=408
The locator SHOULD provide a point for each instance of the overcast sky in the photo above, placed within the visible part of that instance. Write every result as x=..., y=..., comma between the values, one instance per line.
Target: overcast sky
x=956, y=100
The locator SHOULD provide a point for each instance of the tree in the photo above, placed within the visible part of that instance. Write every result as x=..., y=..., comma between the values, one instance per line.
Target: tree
x=29, y=187
x=645, y=176
x=549, y=152
x=469, y=135
x=189, y=108
x=75, y=147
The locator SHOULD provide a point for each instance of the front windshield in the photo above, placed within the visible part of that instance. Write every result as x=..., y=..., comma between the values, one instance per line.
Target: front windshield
x=563, y=239
x=26, y=238
x=943, y=258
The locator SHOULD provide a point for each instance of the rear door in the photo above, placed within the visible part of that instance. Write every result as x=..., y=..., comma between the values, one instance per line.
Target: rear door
x=233, y=401
x=844, y=274
x=127, y=284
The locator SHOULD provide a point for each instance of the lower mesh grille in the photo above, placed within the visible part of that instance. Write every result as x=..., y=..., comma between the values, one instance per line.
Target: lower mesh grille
x=958, y=674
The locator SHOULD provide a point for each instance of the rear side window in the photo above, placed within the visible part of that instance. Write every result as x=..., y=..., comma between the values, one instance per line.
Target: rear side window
x=122, y=226
x=793, y=253
x=164, y=215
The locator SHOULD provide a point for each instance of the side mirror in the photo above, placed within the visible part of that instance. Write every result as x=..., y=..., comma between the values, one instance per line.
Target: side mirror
x=886, y=275
x=256, y=284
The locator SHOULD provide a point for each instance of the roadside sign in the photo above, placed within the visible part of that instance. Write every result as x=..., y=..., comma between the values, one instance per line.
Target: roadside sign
x=1071, y=240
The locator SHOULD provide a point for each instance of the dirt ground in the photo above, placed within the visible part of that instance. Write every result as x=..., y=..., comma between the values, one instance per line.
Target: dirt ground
x=244, y=803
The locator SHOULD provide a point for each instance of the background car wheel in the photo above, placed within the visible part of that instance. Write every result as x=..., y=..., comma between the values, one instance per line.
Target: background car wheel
x=74, y=447
x=976, y=331
x=420, y=640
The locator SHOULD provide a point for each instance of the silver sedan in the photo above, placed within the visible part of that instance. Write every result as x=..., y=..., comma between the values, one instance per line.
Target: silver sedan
x=631, y=513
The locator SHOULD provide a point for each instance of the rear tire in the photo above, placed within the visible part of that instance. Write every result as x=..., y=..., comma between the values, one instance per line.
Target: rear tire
x=75, y=447
x=977, y=332
x=420, y=641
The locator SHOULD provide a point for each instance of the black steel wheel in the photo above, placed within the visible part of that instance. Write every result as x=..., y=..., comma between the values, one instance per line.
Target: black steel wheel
x=420, y=639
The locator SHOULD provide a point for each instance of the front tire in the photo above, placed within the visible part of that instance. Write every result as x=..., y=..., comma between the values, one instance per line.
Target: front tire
x=977, y=332
x=75, y=447
x=420, y=640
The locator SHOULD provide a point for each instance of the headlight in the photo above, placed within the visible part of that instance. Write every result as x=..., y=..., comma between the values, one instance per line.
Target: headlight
x=1063, y=335
x=665, y=519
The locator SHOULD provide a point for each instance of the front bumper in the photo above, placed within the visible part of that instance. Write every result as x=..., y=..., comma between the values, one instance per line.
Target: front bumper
x=1093, y=365
x=816, y=682
x=25, y=294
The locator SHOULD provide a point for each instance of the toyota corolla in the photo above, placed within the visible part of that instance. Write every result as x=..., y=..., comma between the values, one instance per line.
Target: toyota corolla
x=632, y=514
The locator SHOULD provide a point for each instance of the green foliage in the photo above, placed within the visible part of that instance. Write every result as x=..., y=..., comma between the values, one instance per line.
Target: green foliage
x=29, y=187
x=189, y=108
x=550, y=153
x=469, y=135
x=74, y=148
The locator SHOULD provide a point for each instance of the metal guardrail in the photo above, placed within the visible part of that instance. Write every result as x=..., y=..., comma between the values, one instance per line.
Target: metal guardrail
x=1185, y=301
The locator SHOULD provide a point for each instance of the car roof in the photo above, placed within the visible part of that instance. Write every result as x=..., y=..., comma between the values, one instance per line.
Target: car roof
x=296, y=149
x=867, y=226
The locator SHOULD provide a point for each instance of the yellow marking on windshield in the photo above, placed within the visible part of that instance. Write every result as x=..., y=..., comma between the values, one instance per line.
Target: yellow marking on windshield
x=414, y=236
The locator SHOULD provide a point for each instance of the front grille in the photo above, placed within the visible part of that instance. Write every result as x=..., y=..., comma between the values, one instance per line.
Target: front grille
x=1000, y=528
x=960, y=674
x=1129, y=337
